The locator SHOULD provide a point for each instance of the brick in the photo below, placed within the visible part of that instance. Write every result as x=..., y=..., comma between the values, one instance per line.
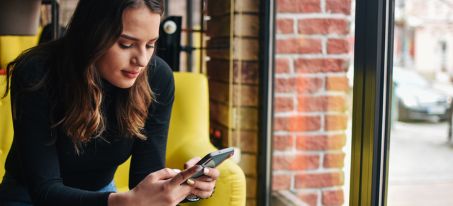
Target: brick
x=337, y=83
x=321, y=103
x=299, y=46
x=332, y=197
x=218, y=70
x=245, y=25
x=298, y=123
x=246, y=49
x=323, y=26
x=218, y=48
x=295, y=162
x=283, y=104
x=248, y=140
x=301, y=85
x=281, y=182
x=219, y=113
x=311, y=103
x=282, y=65
x=334, y=160
x=319, y=180
x=339, y=6
x=245, y=95
x=320, y=142
x=303, y=65
x=336, y=103
x=285, y=26
x=218, y=91
x=250, y=202
x=298, y=6
x=222, y=7
x=248, y=164
x=251, y=187
x=285, y=142
x=246, y=72
x=336, y=122
x=309, y=198
x=218, y=26
x=338, y=46
x=308, y=85
x=284, y=85
x=247, y=6
x=245, y=118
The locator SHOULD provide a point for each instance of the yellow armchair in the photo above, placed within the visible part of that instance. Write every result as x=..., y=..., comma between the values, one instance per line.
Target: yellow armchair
x=189, y=137
x=188, y=133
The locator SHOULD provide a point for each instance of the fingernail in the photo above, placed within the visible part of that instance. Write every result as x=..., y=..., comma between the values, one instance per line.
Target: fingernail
x=177, y=170
x=190, y=182
x=206, y=171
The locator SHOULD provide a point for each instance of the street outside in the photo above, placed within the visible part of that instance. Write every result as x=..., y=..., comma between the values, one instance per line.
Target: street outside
x=421, y=165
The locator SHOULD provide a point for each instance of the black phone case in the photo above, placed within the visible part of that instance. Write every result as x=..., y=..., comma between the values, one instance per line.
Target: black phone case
x=214, y=159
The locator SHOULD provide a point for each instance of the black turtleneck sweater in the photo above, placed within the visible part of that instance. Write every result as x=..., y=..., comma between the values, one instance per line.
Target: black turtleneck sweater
x=48, y=171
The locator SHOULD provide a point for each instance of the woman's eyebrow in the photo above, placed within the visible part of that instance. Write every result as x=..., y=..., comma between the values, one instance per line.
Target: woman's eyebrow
x=134, y=38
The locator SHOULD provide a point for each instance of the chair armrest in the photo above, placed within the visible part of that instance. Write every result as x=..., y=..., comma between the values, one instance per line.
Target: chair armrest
x=231, y=185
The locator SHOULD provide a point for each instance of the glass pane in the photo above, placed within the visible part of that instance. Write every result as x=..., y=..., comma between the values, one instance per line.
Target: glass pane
x=420, y=172
x=313, y=102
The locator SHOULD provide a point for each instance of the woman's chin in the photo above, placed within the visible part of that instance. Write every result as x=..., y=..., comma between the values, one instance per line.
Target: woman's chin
x=124, y=84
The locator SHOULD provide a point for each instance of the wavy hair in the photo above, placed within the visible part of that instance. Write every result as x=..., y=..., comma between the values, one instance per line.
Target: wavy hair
x=74, y=84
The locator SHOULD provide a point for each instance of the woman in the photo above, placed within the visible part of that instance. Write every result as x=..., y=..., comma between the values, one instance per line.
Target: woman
x=86, y=102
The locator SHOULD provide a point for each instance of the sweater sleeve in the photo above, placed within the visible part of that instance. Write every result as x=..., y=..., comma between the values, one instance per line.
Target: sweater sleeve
x=37, y=148
x=149, y=155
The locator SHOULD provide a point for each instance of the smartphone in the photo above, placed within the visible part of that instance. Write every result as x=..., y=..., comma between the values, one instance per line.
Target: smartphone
x=214, y=159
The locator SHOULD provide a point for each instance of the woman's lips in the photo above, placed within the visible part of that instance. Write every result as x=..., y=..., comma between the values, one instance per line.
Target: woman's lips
x=130, y=74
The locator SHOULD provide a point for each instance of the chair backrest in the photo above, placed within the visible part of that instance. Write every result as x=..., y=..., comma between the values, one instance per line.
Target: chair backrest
x=6, y=125
x=190, y=115
x=10, y=48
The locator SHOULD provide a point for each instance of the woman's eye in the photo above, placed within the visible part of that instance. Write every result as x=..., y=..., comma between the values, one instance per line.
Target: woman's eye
x=150, y=46
x=125, y=46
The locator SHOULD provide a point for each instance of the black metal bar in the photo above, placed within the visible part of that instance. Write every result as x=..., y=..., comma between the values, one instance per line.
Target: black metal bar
x=202, y=31
x=189, y=26
x=386, y=148
x=266, y=84
x=166, y=8
x=55, y=7
x=371, y=102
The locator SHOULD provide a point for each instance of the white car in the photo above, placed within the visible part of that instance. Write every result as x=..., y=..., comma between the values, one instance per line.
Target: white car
x=417, y=99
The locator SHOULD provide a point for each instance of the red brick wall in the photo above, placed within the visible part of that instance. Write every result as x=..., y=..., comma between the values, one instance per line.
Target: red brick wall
x=313, y=55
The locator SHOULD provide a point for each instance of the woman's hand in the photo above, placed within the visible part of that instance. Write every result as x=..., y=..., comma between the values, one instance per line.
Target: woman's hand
x=203, y=186
x=164, y=187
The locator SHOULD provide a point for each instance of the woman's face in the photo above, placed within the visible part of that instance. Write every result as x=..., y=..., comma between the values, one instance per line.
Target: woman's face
x=130, y=54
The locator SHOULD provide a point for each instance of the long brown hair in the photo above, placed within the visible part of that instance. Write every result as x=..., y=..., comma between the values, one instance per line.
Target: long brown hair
x=73, y=82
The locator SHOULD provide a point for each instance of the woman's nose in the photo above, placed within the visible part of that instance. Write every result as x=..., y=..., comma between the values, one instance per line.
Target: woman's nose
x=141, y=59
